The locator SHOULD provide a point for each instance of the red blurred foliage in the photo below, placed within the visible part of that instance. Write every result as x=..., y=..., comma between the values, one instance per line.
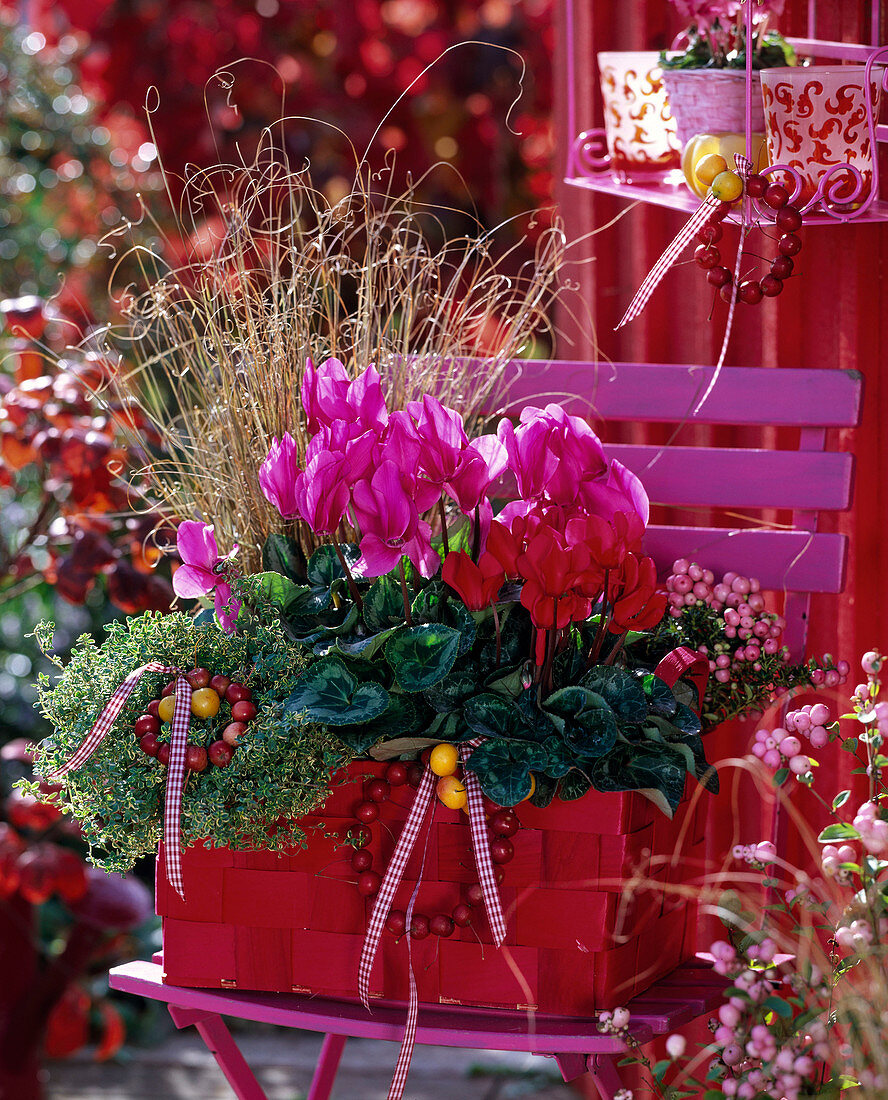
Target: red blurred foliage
x=347, y=64
x=61, y=449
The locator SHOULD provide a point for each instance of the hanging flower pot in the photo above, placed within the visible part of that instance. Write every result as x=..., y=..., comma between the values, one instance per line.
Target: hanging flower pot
x=639, y=127
x=712, y=101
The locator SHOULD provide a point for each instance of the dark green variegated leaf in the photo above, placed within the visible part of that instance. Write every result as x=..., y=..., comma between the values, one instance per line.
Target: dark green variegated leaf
x=589, y=724
x=364, y=647
x=324, y=566
x=571, y=660
x=281, y=591
x=686, y=692
x=495, y=716
x=629, y=767
x=436, y=604
x=503, y=769
x=538, y=721
x=449, y=694
x=283, y=555
x=515, y=638
x=559, y=758
x=421, y=656
x=329, y=693
x=508, y=682
x=574, y=785
x=620, y=690
x=544, y=791
x=400, y=717
x=686, y=719
x=383, y=604
x=661, y=701
x=308, y=604
x=691, y=746
x=349, y=620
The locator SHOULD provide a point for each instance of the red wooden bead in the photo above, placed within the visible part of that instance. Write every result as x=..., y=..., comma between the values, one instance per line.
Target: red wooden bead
x=367, y=812
x=490, y=807
x=396, y=922
x=722, y=211
x=462, y=915
x=148, y=723
x=504, y=823
x=441, y=925
x=149, y=744
x=707, y=256
x=415, y=774
x=362, y=860
x=396, y=773
x=498, y=875
x=782, y=267
x=776, y=195
x=153, y=707
x=378, y=790
x=369, y=883
x=419, y=927
x=359, y=835
x=771, y=286
x=756, y=185
x=719, y=276
x=502, y=850
x=750, y=292
x=789, y=244
x=726, y=292
x=426, y=754
x=788, y=219
x=474, y=894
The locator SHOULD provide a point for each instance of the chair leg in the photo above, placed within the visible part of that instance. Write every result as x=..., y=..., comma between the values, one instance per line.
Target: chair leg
x=572, y=1066
x=603, y=1069
x=224, y=1049
x=328, y=1064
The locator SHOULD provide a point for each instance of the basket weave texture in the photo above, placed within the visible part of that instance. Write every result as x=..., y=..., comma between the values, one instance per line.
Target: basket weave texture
x=712, y=101
x=295, y=922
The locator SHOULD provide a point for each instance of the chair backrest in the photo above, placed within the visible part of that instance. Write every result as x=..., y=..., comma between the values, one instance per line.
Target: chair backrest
x=803, y=478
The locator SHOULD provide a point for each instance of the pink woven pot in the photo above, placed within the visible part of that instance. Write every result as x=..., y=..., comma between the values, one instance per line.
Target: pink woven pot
x=712, y=101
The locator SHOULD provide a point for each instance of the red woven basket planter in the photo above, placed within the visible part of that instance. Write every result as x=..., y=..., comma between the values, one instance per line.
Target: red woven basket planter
x=295, y=922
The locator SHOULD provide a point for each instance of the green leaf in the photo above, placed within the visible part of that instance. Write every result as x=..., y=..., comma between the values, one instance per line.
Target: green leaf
x=421, y=656
x=448, y=695
x=780, y=776
x=573, y=786
x=283, y=555
x=840, y=799
x=544, y=791
x=400, y=717
x=559, y=758
x=590, y=726
x=850, y=745
x=839, y=830
x=436, y=604
x=383, y=604
x=620, y=690
x=324, y=566
x=280, y=590
x=630, y=767
x=779, y=1006
x=686, y=693
x=661, y=701
x=493, y=716
x=364, y=648
x=329, y=693
x=686, y=719
x=503, y=769
x=660, y=1068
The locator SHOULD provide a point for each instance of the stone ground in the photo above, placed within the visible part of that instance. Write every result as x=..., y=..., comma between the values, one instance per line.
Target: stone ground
x=182, y=1067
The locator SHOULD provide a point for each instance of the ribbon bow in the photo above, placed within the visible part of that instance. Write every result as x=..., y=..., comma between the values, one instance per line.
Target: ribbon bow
x=175, y=770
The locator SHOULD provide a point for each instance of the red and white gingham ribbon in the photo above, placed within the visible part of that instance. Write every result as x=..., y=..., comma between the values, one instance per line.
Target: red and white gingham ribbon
x=395, y=872
x=175, y=769
x=673, y=250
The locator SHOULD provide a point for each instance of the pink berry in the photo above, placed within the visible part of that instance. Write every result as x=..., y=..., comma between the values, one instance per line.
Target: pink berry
x=701, y=590
x=690, y=599
x=759, y=750
x=790, y=746
x=741, y=585
x=730, y=632
x=818, y=676
x=819, y=714
x=721, y=592
x=832, y=678
x=722, y=661
x=772, y=758
x=731, y=617
x=695, y=572
x=753, y=653
x=723, y=676
x=680, y=566
x=818, y=737
x=682, y=584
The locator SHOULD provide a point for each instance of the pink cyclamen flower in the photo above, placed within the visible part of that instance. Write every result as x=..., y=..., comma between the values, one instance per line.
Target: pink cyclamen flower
x=322, y=491
x=330, y=396
x=278, y=474
x=197, y=575
x=391, y=528
x=481, y=463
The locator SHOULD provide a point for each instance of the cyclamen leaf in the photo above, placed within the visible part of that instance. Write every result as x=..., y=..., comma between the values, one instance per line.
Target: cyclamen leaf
x=629, y=767
x=282, y=555
x=661, y=701
x=421, y=656
x=620, y=690
x=280, y=590
x=493, y=716
x=590, y=727
x=503, y=769
x=383, y=604
x=435, y=604
x=324, y=566
x=329, y=693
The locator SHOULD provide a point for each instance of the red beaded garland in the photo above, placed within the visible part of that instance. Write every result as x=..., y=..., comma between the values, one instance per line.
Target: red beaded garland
x=503, y=823
x=787, y=220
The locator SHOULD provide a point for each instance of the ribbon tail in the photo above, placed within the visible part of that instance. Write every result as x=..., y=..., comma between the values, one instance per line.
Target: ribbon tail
x=481, y=847
x=673, y=250
x=172, y=829
x=393, y=875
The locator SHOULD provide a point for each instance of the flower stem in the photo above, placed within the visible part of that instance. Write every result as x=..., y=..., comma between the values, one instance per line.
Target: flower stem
x=444, y=537
x=352, y=587
x=499, y=636
x=405, y=596
x=476, y=535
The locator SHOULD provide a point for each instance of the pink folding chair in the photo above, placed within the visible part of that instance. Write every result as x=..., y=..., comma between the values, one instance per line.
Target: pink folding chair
x=801, y=480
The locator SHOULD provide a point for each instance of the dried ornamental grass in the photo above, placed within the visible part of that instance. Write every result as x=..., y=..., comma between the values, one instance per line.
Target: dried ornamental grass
x=278, y=273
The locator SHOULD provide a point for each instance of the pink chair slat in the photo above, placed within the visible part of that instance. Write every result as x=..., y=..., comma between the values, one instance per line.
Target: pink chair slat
x=738, y=478
x=662, y=393
x=795, y=561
